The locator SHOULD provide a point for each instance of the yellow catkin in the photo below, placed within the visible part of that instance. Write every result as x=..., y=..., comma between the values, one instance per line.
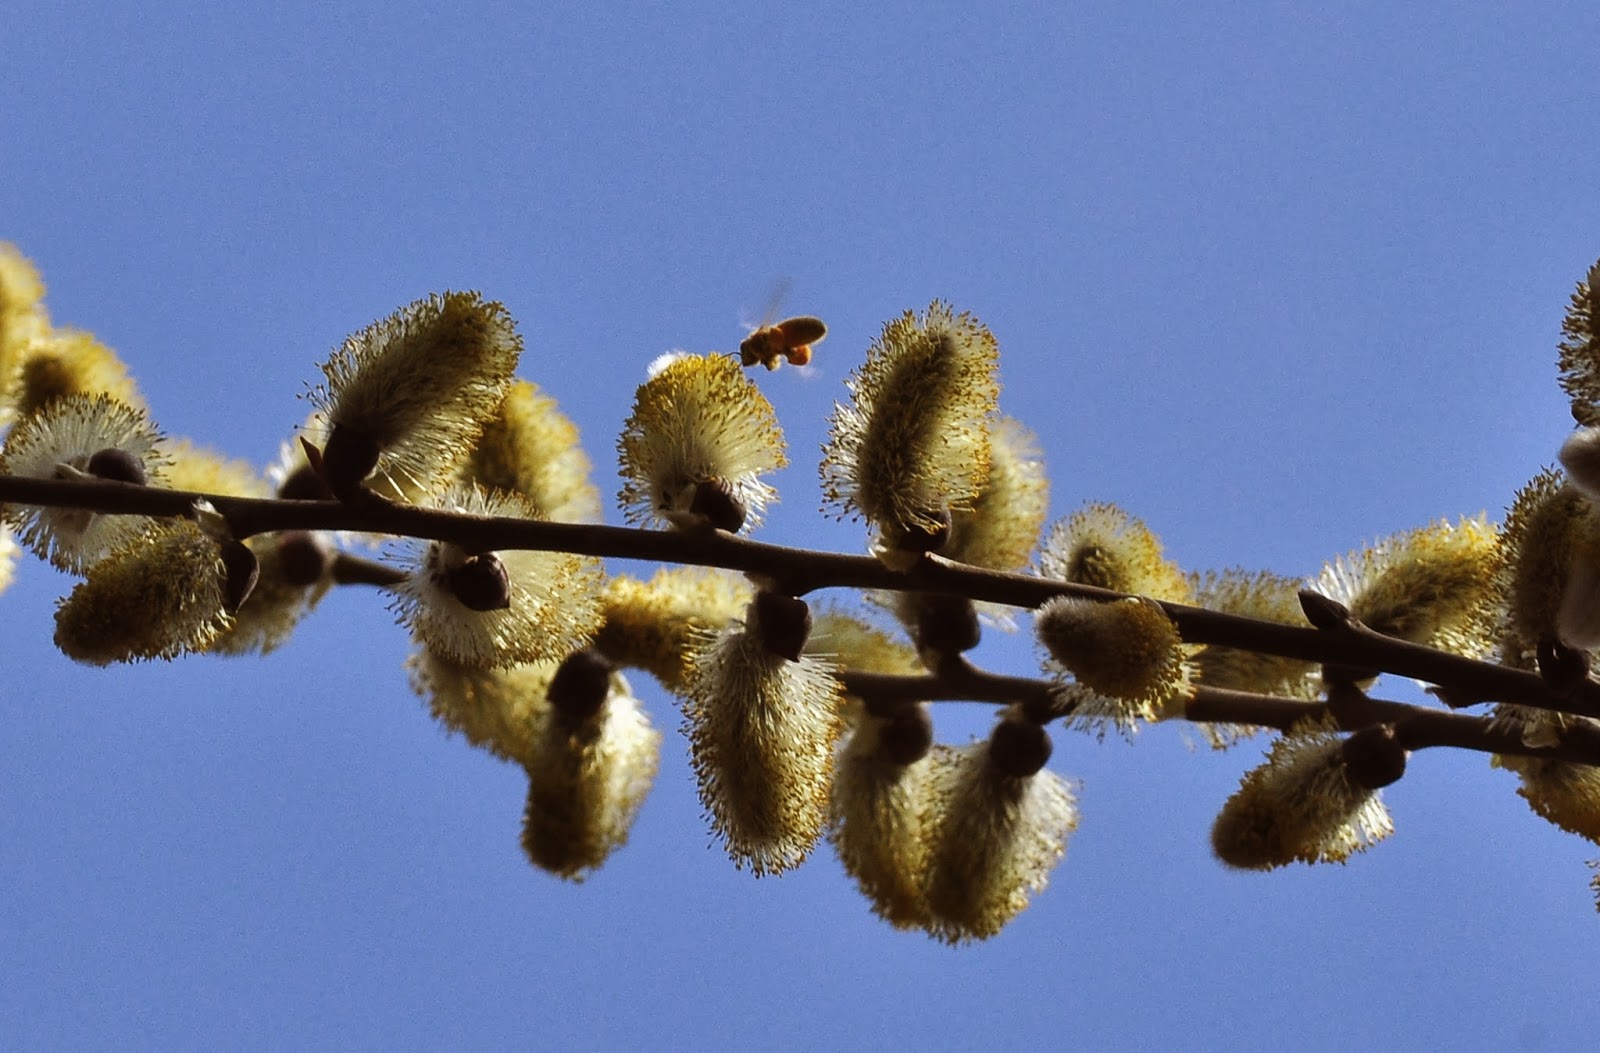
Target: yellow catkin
x=532, y=448
x=23, y=319
x=60, y=440
x=420, y=385
x=1300, y=806
x=1253, y=594
x=71, y=362
x=913, y=444
x=651, y=625
x=159, y=597
x=1437, y=585
x=995, y=840
x=1579, y=351
x=554, y=604
x=880, y=826
x=698, y=420
x=761, y=733
x=1104, y=546
x=586, y=783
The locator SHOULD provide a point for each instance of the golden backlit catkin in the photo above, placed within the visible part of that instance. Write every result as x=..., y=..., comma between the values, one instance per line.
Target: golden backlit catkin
x=1001, y=529
x=551, y=607
x=912, y=447
x=8, y=555
x=995, y=839
x=695, y=447
x=23, y=320
x=160, y=596
x=651, y=625
x=69, y=439
x=1437, y=585
x=67, y=362
x=586, y=782
x=1300, y=806
x=531, y=448
x=1127, y=652
x=879, y=824
x=1252, y=594
x=497, y=710
x=1579, y=350
x=1546, y=525
x=761, y=733
x=407, y=397
x=198, y=468
x=1103, y=546
x=1561, y=792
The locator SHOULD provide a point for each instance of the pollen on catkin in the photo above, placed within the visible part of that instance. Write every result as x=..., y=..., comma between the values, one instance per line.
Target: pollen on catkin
x=995, y=840
x=695, y=447
x=879, y=824
x=1001, y=529
x=761, y=733
x=407, y=397
x=531, y=448
x=8, y=555
x=23, y=319
x=1437, y=585
x=497, y=710
x=1103, y=546
x=551, y=603
x=62, y=441
x=1561, y=792
x=65, y=362
x=1579, y=351
x=161, y=595
x=652, y=624
x=912, y=446
x=1537, y=540
x=586, y=782
x=1252, y=594
x=1300, y=806
x=1127, y=652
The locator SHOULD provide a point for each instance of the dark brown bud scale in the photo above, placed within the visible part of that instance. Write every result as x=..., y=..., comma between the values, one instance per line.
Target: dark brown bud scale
x=243, y=570
x=783, y=624
x=580, y=685
x=117, y=466
x=1019, y=748
x=907, y=736
x=480, y=583
x=947, y=624
x=1565, y=669
x=304, y=484
x=1322, y=612
x=1373, y=757
x=304, y=558
x=714, y=502
x=347, y=459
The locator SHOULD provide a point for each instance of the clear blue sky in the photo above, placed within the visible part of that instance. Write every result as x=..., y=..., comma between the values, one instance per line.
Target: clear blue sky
x=1276, y=280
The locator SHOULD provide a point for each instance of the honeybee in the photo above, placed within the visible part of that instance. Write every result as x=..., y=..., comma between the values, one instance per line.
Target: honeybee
x=791, y=339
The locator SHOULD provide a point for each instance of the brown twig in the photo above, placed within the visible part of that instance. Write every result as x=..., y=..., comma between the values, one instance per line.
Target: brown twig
x=796, y=572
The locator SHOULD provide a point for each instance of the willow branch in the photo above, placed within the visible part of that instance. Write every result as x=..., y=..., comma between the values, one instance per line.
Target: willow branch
x=1416, y=727
x=799, y=571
